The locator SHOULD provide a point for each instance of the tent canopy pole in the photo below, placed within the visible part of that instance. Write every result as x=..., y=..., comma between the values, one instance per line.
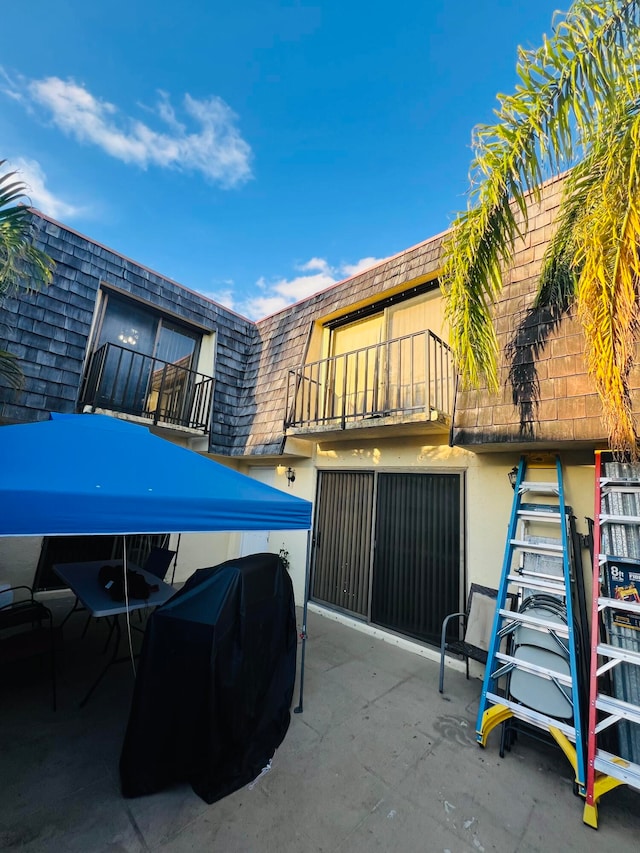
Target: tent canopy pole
x=307, y=578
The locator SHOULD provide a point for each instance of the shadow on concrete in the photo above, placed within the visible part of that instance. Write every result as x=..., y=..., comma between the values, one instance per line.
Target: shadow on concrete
x=378, y=761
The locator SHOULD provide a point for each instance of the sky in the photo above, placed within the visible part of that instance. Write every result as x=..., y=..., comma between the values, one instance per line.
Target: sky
x=256, y=152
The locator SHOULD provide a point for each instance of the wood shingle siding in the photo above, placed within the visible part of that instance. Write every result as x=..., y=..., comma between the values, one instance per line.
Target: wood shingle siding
x=283, y=337
x=554, y=400
x=48, y=330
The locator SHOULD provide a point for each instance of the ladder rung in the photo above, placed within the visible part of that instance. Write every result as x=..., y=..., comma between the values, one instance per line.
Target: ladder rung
x=544, y=548
x=534, y=718
x=619, y=519
x=618, y=604
x=619, y=654
x=541, y=576
x=617, y=768
x=539, y=515
x=536, y=507
x=534, y=669
x=529, y=581
x=618, y=708
x=539, y=488
x=620, y=484
x=557, y=628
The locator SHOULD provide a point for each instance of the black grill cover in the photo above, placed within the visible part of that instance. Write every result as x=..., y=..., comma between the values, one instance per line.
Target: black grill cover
x=215, y=681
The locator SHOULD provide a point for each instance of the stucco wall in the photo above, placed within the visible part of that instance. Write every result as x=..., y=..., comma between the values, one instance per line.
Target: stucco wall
x=199, y=551
x=488, y=494
x=488, y=504
x=18, y=559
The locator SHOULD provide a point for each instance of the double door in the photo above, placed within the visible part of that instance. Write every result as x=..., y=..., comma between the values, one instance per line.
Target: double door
x=389, y=548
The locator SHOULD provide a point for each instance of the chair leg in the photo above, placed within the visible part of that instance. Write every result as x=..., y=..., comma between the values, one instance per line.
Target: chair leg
x=466, y=660
x=111, y=630
x=53, y=670
x=443, y=644
x=86, y=627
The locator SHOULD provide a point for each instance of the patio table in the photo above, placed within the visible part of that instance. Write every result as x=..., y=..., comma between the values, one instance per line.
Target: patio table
x=82, y=580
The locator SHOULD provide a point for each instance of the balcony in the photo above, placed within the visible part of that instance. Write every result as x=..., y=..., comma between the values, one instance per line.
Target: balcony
x=165, y=393
x=407, y=382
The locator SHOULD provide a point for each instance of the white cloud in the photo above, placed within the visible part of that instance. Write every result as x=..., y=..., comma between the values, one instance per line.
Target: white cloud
x=273, y=296
x=213, y=147
x=359, y=266
x=40, y=196
x=301, y=286
x=224, y=297
x=263, y=306
x=315, y=264
x=8, y=87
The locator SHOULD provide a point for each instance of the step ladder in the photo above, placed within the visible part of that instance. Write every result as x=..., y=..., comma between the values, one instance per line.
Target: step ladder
x=616, y=549
x=539, y=565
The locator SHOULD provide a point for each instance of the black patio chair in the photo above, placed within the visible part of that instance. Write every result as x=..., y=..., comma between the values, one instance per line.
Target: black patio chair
x=477, y=624
x=26, y=630
x=158, y=562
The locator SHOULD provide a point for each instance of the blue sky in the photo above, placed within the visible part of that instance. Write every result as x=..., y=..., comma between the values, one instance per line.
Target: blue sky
x=257, y=151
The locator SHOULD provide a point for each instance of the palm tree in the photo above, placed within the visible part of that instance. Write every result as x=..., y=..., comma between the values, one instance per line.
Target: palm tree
x=21, y=263
x=576, y=107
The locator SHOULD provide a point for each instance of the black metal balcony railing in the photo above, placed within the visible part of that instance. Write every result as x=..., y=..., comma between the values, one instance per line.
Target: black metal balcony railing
x=121, y=380
x=412, y=374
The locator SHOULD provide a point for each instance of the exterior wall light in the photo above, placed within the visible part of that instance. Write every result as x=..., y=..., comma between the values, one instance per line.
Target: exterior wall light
x=513, y=477
x=291, y=475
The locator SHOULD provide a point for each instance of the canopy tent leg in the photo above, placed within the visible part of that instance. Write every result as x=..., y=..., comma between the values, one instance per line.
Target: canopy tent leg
x=303, y=635
x=175, y=559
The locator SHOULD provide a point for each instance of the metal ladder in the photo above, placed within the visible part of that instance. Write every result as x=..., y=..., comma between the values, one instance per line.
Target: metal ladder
x=616, y=535
x=524, y=568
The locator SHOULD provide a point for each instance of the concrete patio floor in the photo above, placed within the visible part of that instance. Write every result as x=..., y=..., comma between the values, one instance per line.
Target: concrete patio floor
x=378, y=761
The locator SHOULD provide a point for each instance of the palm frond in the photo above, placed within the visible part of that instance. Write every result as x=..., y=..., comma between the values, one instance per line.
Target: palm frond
x=608, y=250
x=21, y=263
x=568, y=88
x=10, y=371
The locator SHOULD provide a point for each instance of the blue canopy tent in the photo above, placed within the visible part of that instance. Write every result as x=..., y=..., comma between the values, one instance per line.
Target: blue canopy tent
x=97, y=475
x=93, y=474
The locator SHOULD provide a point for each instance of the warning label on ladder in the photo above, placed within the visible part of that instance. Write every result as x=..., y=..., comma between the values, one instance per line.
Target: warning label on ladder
x=623, y=583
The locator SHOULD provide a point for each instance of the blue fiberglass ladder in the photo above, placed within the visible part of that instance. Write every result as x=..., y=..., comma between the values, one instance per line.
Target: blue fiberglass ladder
x=536, y=647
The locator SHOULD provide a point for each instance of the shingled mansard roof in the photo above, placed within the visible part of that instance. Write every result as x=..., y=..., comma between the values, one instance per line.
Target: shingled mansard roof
x=283, y=338
x=253, y=360
x=48, y=330
x=546, y=395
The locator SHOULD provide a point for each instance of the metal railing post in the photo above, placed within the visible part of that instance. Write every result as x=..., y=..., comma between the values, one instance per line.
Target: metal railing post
x=368, y=392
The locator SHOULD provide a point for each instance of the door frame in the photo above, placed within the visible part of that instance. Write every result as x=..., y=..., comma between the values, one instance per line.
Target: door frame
x=407, y=469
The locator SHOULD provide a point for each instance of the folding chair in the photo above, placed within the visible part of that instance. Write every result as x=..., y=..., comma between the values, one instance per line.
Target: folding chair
x=477, y=624
x=158, y=562
x=26, y=630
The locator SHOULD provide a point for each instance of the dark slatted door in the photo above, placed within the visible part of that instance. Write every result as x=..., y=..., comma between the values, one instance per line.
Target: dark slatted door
x=342, y=537
x=418, y=561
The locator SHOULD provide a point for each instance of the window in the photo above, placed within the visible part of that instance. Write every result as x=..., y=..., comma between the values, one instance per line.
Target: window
x=387, y=359
x=352, y=375
x=148, y=362
x=383, y=362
